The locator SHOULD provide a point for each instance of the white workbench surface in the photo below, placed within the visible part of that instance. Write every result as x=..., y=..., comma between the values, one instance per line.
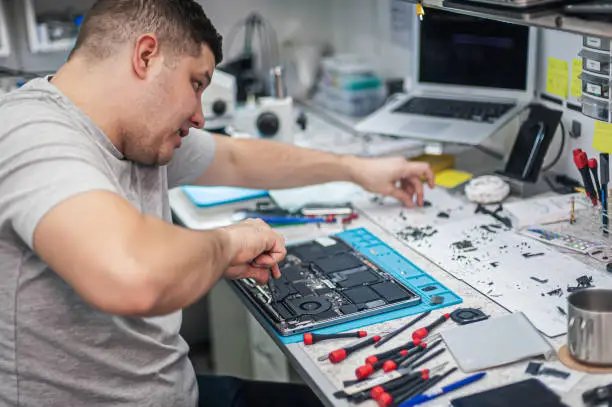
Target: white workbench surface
x=325, y=378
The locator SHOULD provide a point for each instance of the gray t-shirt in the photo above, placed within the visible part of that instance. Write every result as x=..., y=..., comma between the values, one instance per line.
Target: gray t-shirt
x=55, y=349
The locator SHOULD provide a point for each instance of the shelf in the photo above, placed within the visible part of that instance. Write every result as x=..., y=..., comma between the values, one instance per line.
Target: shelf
x=5, y=47
x=36, y=46
x=543, y=18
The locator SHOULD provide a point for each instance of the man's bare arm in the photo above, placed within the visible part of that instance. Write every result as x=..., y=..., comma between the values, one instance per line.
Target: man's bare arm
x=271, y=165
x=125, y=263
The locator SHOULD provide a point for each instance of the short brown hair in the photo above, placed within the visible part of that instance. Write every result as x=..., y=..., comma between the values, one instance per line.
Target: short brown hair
x=180, y=25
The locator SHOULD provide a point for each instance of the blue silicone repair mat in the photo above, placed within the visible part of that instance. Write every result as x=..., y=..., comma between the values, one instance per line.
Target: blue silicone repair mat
x=401, y=268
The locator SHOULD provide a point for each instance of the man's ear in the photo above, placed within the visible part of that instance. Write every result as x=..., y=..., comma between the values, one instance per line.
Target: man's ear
x=146, y=51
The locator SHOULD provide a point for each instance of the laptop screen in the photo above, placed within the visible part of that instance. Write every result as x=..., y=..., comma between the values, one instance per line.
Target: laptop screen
x=462, y=50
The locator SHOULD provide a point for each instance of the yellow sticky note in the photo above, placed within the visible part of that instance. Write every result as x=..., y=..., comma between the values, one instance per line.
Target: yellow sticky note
x=602, y=139
x=557, y=77
x=576, y=82
x=452, y=178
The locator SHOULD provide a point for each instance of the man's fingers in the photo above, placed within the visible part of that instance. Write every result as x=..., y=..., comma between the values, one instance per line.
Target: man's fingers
x=404, y=197
x=418, y=187
x=275, y=271
x=430, y=177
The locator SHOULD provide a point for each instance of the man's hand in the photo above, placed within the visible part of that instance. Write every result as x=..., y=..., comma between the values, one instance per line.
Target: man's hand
x=257, y=248
x=394, y=176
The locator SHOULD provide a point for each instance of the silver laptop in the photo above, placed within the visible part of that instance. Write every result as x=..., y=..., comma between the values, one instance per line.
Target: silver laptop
x=471, y=76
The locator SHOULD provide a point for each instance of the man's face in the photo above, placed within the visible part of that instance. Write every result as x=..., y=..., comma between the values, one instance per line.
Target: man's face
x=171, y=104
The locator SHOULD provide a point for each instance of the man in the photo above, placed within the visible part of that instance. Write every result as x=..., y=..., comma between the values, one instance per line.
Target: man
x=93, y=274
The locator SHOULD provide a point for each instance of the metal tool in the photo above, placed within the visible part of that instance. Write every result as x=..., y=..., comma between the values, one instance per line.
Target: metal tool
x=429, y=358
x=393, y=334
x=590, y=325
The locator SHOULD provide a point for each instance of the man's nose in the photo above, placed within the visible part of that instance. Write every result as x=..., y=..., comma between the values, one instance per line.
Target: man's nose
x=197, y=120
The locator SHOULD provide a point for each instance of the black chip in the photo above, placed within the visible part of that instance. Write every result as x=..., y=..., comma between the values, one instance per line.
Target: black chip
x=282, y=310
x=313, y=251
x=291, y=273
x=361, y=295
x=349, y=309
x=302, y=289
x=338, y=263
x=361, y=278
x=323, y=290
x=281, y=291
x=390, y=291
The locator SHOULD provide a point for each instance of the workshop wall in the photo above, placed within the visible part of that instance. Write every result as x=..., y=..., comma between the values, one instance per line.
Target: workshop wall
x=293, y=20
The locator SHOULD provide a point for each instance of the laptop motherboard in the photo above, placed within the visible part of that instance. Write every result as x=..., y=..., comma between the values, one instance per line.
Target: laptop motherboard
x=326, y=282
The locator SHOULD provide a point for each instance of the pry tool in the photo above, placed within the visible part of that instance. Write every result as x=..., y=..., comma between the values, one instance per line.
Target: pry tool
x=401, y=329
x=312, y=338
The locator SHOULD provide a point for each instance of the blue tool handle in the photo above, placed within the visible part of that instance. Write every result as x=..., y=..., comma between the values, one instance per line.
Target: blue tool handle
x=464, y=382
x=286, y=220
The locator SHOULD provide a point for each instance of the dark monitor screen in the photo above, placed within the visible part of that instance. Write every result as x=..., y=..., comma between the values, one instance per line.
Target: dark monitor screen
x=462, y=50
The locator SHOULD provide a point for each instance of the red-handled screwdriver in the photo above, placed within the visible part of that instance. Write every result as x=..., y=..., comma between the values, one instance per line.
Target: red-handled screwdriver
x=398, y=392
x=593, y=168
x=311, y=338
x=392, y=352
x=339, y=355
x=367, y=370
x=398, y=384
x=421, y=333
x=581, y=161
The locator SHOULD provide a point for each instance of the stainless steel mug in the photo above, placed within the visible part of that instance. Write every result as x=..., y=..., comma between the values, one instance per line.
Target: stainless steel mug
x=589, y=332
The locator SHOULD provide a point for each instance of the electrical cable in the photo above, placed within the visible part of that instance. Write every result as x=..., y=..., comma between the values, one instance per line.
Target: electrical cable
x=560, y=152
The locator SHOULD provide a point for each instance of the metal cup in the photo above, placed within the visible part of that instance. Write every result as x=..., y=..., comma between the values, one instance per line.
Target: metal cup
x=589, y=333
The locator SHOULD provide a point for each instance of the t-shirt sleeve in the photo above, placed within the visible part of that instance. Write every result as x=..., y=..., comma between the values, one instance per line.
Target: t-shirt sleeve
x=42, y=165
x=191, y=159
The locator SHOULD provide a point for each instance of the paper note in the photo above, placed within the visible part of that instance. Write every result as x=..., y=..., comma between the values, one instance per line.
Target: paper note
x=576, y=87
x=602, y=139
x=557, y=77
x=452, y=178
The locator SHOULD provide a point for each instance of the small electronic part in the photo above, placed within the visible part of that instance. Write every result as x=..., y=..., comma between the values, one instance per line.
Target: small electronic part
x=464, y=316
x=437, y=300
x=536, y=369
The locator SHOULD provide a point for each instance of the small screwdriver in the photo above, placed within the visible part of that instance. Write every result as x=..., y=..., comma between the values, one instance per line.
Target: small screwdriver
x=418, y=387
x=401, y=329
x=388, y=365
x=392, y=352
x=339, y=355
x=597, y=185
x=312, y=338
x=421, y=333
x=399, y=393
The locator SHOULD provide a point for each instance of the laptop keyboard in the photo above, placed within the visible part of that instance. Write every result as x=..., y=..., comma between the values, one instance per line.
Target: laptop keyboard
x=455, y=109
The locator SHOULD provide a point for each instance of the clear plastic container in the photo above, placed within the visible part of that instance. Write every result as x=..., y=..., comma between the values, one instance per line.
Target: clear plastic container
x=598, y=43
x=596, y=109
x=595, y=86
x=595, y=62
x=355, y=103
